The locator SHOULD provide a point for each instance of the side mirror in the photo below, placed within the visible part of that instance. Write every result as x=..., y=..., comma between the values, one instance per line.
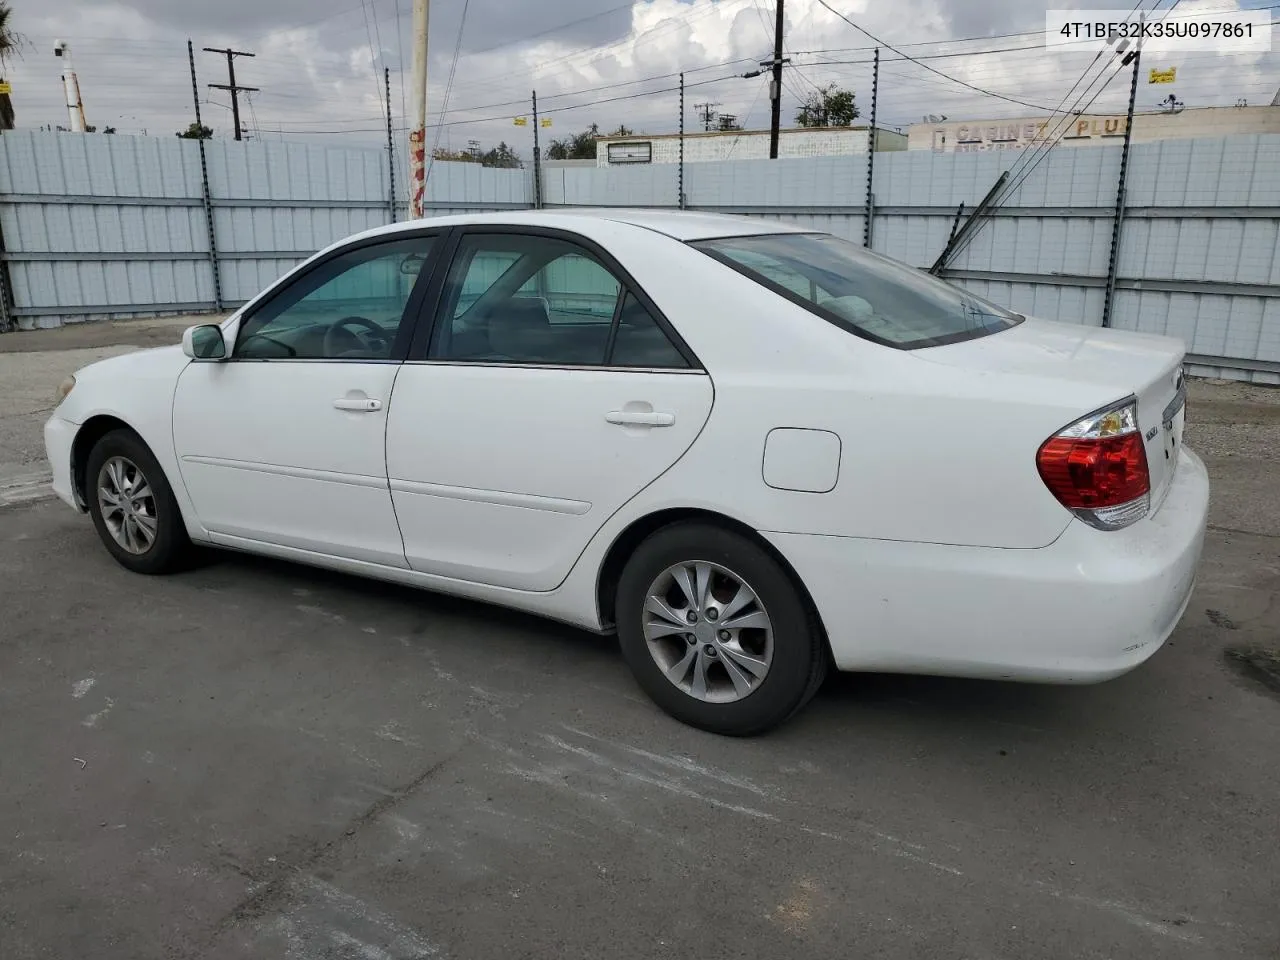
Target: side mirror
x=204, y=342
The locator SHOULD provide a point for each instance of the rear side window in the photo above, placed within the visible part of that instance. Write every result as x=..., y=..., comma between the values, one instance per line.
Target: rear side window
x=862, y=292
x=532, y=299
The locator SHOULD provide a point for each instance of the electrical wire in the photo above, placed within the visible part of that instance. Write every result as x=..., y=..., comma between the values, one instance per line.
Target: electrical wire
x=448, y=87
x=945, y=76
x=1032, y=162
x=566, y=109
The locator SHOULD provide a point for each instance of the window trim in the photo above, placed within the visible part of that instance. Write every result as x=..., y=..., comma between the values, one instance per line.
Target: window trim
x=431, y=315
x=830, y=316
x=408, y=319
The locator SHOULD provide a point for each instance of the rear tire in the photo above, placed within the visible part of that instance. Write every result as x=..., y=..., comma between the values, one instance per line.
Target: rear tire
x=716, y=631
x=133, y=507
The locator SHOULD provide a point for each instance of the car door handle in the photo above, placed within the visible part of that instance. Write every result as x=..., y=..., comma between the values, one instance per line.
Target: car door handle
x=640, y=418
x=358, y=404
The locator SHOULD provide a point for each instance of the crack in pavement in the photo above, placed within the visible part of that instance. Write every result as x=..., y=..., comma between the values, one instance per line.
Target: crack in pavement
x=262, y=901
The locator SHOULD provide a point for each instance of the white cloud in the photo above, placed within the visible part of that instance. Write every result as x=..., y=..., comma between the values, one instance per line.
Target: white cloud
x=320, y=68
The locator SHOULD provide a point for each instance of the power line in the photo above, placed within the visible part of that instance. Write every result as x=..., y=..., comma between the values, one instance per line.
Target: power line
x=945, y=76
x=448, y=87
x=1030, y=162
x=504, y=116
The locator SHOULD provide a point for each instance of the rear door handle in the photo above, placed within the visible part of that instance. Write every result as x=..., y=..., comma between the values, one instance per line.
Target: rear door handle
x=358, y=404
x=640, y=418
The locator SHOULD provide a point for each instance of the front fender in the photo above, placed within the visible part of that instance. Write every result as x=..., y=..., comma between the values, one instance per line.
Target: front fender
x=136, y=390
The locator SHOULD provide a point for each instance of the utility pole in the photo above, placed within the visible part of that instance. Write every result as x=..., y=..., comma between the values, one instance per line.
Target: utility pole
x=707, y=111
x=71, y=86
x=418, y=134
x=231, y=82
x=775, y=85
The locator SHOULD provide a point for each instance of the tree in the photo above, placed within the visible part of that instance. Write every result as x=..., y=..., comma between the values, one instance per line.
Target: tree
x=828, y=106
x=196, y=131
x=580, y=146
x=499, y=156
x=10, y=46
x=108, y=129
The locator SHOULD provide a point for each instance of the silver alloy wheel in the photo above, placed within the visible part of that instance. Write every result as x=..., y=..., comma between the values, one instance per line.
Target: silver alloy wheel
x=128, y=505
x=708, y=632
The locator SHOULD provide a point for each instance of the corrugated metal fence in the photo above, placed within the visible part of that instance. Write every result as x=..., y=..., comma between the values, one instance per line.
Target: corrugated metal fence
x=116, y=226
x=1199, y=254
x=96, y=226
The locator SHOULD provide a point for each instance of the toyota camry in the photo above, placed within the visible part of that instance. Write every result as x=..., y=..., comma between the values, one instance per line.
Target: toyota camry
x=752, y=451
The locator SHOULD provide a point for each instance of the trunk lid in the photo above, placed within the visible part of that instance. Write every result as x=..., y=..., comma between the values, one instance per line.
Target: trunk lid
x=1118, y=363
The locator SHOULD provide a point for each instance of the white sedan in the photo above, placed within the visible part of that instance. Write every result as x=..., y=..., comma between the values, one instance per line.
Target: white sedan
x=753, y=451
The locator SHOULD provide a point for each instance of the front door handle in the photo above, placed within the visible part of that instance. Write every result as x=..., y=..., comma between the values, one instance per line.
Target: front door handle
x=640, y=418
x=358, y=404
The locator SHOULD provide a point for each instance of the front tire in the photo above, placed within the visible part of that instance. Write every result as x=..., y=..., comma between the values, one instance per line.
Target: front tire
x=133, y=507
x=716, y=632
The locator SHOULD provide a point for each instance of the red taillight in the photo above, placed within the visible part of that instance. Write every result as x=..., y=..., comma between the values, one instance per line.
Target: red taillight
x=1097, y=468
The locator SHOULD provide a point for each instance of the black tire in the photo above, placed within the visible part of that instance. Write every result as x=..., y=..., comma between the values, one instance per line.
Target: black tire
x=800, y=658
x=170, y=550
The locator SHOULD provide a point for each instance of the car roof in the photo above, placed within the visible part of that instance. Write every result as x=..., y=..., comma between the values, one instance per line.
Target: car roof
x=678, y=224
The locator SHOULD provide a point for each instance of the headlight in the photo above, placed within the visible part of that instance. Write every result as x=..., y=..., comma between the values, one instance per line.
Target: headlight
x=65, y=387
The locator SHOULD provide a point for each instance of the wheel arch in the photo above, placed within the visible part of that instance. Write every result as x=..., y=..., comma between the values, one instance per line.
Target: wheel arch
x=639, y=530
x=90, y=432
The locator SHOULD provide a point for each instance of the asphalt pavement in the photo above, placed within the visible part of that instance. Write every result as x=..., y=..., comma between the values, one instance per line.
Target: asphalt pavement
x=259, y=760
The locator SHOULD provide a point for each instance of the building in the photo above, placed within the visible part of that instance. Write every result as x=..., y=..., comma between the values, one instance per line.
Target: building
x=701, y=147
x=1086, y=130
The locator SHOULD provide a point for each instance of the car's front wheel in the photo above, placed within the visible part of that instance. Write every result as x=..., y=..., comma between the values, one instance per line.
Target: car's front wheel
x=132, y=505
x=716, y=632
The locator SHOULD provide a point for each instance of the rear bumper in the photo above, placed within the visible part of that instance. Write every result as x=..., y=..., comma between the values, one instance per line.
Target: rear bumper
x=1089, y=607
x=59, y=435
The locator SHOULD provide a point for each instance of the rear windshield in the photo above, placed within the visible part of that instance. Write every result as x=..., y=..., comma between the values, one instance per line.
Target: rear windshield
x=862, y=292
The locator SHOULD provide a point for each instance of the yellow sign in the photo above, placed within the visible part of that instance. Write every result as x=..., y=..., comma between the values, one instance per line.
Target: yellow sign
x=520, y=121
x=1162, y=76
x=6, y=87
x=545, y=122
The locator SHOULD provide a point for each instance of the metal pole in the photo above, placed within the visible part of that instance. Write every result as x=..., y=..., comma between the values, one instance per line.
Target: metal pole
x=958, y=236
x=418, y=135
x=871, y=148
x=680, y=179
x=775, y=85
x=537, y=158
x=204, y=183
x=955, y=224
x=391, y=150
x=1113, y=265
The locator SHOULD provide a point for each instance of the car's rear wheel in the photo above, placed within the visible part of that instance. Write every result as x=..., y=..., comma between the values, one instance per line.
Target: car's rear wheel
x=716, y=631
x=132, y=506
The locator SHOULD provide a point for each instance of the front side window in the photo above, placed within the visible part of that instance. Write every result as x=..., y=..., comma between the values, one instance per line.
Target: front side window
x=860, y=291
x=542, y=300
x=348, y=308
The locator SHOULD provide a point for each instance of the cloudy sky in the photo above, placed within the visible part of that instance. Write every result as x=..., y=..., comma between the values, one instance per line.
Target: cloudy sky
x=319, y=63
